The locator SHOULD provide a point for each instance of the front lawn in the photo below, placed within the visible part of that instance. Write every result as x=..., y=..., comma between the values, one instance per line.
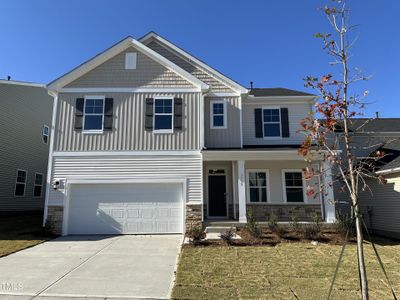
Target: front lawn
x=285, y=271
x=20, y=232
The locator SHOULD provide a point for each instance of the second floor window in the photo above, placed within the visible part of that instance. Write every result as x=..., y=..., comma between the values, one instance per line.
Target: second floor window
x=45, y=134
x=163, y=115
x=218, y=114
x=271, y=122
x=94, y=114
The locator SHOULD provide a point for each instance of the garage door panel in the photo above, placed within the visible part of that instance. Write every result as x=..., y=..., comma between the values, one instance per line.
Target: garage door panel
x=125, y=208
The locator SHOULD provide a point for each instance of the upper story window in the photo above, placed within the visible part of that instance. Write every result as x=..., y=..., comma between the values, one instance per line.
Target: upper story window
x=271, y=122
x=257, y=185
x=293, y=185
x=20, y=183
x=38, y=187
x=163, y=115
x=130, y=60
x=45, y=134
x=218, y=114
x=93, y=114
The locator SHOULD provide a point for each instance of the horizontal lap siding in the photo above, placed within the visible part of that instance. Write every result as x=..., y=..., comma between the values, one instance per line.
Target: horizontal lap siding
x=223, y=138
x=148, y=73
x=128, y=129
x=132, y=167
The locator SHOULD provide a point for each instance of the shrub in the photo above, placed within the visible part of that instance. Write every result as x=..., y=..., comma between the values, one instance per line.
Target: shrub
x=252, y=226
x=196, y=234
x=311, y=232
x=272, y=221
x=228, y=236
x=294, y=221
x=343, y=224
x=317, y=222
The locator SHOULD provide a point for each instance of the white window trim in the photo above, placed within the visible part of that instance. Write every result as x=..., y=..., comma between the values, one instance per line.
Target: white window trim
x=43, y=134
x=35, y=185
x=134, y=61
x=284, y=186
x=154, y=115
x=266, y=171
x=24, y=183
x=84, y=115
x=280, y=123
x=212, y=102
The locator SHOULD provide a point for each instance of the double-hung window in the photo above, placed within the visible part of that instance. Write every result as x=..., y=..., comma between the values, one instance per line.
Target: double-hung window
x=271, y=122
x=20, y=183
x=163, y=115
x=293, y=185
x=38, y=186
x=257, y=186
x=93, y=114
x=218, y=114
x=45, y=134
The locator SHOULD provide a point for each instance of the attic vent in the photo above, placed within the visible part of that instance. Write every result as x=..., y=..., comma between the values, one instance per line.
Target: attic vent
x=130, y=60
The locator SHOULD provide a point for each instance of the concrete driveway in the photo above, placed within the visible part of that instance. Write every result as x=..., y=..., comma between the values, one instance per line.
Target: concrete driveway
x=93, y=267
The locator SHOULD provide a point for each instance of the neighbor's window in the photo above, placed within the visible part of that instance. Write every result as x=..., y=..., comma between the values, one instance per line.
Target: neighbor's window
x=38, y=187
x=45, y=134
x=218, y=114
x=20, y=183
x=272, y=122
x=294, y=186
x=163, y=114
x=257, y=186
x=94, y=114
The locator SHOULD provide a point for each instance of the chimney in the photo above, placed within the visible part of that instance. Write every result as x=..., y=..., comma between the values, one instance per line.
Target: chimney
x=251, y=85
x=8, y=78
x=377, y=114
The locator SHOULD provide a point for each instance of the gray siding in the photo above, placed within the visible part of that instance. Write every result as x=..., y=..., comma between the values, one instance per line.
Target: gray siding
x=128, y=130
x=223, y=138
x=385, y=203
x=215, y=84
x=140, y=167
x=23, y=112
x=148, y=73
x=296, y=113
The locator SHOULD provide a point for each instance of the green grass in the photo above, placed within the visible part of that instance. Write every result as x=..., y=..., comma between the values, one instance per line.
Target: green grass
x=20, y=232
x=280, y=272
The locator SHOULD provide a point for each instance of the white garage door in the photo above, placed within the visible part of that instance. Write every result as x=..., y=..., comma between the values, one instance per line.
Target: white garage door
x=142, y=208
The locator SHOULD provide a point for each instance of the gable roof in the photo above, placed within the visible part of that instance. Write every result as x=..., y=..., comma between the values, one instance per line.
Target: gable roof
x=391, y=161
x=116, y=49
x=269, y=92
x=194, y=60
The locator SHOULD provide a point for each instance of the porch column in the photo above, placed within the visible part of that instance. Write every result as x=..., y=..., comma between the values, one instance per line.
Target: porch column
x=241, y=191
x=329, y=197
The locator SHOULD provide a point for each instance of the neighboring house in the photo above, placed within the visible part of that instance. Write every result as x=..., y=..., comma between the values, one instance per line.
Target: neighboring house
x=380, y=202
x=25, y=119
x=149, y=139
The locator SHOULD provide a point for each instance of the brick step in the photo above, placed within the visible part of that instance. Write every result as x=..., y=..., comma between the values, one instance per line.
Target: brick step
x=219, y=229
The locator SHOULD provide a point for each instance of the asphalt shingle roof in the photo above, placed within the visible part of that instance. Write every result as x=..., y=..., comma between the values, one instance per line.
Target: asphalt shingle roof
x=375, y=125
x=264, y=92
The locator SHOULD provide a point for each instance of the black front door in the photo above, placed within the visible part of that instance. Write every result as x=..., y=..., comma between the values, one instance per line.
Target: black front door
x=217, y=195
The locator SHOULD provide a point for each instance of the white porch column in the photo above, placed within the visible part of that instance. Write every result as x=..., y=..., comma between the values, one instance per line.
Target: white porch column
x=241, y=191
x=329, y=198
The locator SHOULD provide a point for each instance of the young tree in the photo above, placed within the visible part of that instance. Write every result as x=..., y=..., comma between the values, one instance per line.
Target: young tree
x=335, y=109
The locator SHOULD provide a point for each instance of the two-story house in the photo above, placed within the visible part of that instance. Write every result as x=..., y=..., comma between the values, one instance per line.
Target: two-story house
x=149, y=139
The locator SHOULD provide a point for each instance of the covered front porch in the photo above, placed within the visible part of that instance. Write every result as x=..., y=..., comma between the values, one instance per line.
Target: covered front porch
x=263, y=181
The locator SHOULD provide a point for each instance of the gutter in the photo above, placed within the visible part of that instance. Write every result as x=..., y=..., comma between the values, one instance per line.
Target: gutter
x=389, y=171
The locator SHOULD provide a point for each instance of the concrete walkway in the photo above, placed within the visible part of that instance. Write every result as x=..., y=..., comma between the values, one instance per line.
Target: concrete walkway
x=92, y=267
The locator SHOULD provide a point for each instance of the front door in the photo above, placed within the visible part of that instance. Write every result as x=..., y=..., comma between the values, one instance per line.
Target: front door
x=217, y=193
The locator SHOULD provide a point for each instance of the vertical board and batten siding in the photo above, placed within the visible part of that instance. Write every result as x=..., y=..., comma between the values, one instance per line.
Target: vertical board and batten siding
x=215, y=84
x=385, y=204
x=23, y=112
x=128, y=132
x=148, y=73
x=132, y=167
x=223, y=138
x=297, y=112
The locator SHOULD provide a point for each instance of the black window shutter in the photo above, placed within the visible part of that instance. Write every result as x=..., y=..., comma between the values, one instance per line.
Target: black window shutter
x=178, y=109
x=108, y=114
x=285, y=122
x=78, y=123
x=258, y=124
x=148, y=120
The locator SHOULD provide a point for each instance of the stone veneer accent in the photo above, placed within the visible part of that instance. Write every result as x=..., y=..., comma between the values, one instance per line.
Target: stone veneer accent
x=55, y=218
x=304, y=212
x=193, y=215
